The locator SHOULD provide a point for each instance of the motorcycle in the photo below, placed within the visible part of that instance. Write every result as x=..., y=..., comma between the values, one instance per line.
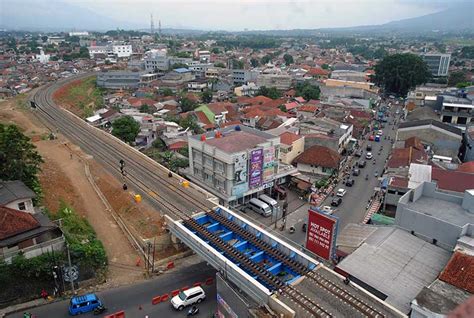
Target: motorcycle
x=292, y=229
x=303, y=228
x=193, y=311
x=99, y=309
x=366, y=177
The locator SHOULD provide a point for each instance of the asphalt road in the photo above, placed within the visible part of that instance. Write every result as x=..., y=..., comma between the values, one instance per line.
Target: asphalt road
x=130, y=298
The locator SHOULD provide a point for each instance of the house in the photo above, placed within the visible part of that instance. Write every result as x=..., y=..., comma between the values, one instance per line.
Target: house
x=318, y=160
x=291, y=145
x=16, y=195
x=28, y=234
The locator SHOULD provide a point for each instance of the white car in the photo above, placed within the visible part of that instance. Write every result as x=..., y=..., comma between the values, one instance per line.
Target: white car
x=191, y=296
x=380, y=132
x=327, y=209
x=368, y=155
x=341, y=192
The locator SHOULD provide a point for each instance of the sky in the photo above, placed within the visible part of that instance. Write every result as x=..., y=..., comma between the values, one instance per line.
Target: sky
x=234, y=15
x=231, y=15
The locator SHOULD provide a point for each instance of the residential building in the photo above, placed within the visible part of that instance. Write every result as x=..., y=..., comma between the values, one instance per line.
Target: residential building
x=326, y=132
x=156, y=60
x=197, y=85
x=249, y=89
x=122, y=50
x=438, y=63
x=348, y=75
x=119, y=79
x=55, y=40
x=279, y=81
x=16, y=195
x=436, y=216
x=111, y=50
x=291, y=146
x=318, y=160
x=177, y=78
x=443, y=139
x=200, y=69
x=240, y=77
x=27, y=234
x=468, y=143
x=455, y=110
x=338, y=88
x=236, y=163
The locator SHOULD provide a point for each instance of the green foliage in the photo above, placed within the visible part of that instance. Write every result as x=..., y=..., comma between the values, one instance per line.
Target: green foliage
x=166, y=92
x=307, y=90
x=183, y=54
x=321, y=183
x=266, y=59
x=81, y=237
x=254, y=62
x=206, y=96
x=464, y=84
x=147, y=109
x=187, y=104
x=398, y=73
x=215, y=50
x=456, y=77
x=283, y=108
x=288, y=59
x=126, y=128
x=19, y=159
x=220, y=65
x=271, y=92
x=467, y=52
x=184, y=151
x=237, y=64
x=179, y=65
x=168, y=159
x=158, y=144
x=325, y=67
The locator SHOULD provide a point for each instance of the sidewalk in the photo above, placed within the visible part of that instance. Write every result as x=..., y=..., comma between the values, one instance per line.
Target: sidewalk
x=25, y=306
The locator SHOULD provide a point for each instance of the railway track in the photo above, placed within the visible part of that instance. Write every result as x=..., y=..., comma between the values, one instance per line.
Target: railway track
x=263, y=275
x=150, y=178
x=322, y=282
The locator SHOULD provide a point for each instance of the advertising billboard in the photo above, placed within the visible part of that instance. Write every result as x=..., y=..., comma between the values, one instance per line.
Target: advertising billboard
x=321, y=234
x=269, y=163
x=255, y=168
x=240, y=168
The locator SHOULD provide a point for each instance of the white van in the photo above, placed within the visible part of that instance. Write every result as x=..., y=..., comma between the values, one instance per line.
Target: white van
x=188, y=297
x=260, y=207
x=270, y=201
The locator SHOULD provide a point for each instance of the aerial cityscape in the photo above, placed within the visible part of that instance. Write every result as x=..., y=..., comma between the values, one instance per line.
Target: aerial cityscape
x=236, y=158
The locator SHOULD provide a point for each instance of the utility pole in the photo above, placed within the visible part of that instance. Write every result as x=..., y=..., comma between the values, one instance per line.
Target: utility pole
x=70, y=266
x=153, y=256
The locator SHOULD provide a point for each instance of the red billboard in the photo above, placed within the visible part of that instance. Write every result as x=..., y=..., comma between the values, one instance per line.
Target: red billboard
x=321, y=233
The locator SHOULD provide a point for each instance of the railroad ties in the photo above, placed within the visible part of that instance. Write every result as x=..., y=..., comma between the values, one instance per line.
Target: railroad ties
x=265, y=276
x=299, y=268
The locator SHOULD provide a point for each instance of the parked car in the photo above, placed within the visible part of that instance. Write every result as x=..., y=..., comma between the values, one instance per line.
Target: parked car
x=371, y=138
x=83, y=304
x=361, y=164
x=336, y=201
x=341, y=192
x=327, y=209
x=380, y=132
x=369, y=147
x=356, y=172
x=358, y=153
x=350, y=182
x=368, y=156
x=191, y=296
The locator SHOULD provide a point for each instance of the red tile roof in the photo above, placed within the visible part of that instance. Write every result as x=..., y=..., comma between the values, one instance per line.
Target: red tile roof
x=288, y=138
x=257, y=100
x=308, y=108
x=467, y=167
x=414, y=142
x=274, y=103
x=178, y=145
x=403, y=157
x=319, y=156
x=452, y=180
x=202, y=118
x=460, y=271
x=13, y=222
x=317, y=71
x=290, y=106
x=218, y=108
x=399, y=182
x=300, y=99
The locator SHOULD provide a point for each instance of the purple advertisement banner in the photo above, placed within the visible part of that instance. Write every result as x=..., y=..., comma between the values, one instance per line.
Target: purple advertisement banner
x=256, y=167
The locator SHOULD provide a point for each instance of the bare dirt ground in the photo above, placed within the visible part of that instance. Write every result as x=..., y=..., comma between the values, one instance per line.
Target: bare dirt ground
x=64, y=178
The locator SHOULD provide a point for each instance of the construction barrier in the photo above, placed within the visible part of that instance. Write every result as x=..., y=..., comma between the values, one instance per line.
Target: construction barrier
x=170, y=265
x=175, y=292
x=156, y=300
x=209, y=281
x=185, y=288
x=185, y=183
x=120, y=314
x=165, y=297
x=197, y=284
x=138, y=198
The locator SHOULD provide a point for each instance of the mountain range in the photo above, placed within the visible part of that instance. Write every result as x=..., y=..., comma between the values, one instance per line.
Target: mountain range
x=57, y=15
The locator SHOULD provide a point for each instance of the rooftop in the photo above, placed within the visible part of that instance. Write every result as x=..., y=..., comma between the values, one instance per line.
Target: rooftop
x=319, y=156
x=460, y=272
x=14, y=190
x=397, y=264
x=14, y=222
x=288, y=138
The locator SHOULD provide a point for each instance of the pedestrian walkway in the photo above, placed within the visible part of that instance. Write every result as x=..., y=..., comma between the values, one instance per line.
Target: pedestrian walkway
x=373, y=208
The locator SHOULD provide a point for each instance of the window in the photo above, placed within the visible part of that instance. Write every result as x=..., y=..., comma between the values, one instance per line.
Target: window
x=219, y=183
x=207, y=178
x=22, y=206
x=219, y=166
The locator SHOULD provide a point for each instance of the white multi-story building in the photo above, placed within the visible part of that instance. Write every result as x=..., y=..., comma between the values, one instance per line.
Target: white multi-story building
x=437, y=63
x=111, y=50
x=236, y=163
x=122, y=50
x=79, y=33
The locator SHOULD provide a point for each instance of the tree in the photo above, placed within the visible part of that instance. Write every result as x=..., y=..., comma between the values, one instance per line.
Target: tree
x=206, y=96
x=126, y=128
x=237, y=65
x=271, y=92
x=307, y=90
x=147, y=109
x=288, y=59
x=266, y=59
x=44, y=38
x=179, y=65
x=215, y=50
x=254, y=62
x=19, y=159
x=187, y=104
x=456, y=77
x=398, y=73
x=166, y=91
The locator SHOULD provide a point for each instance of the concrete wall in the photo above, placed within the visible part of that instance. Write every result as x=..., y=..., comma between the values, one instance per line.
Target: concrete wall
x=330, y=143
x=305, y=168
x=444, y=144
x=297, y=148
x=28, y=205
